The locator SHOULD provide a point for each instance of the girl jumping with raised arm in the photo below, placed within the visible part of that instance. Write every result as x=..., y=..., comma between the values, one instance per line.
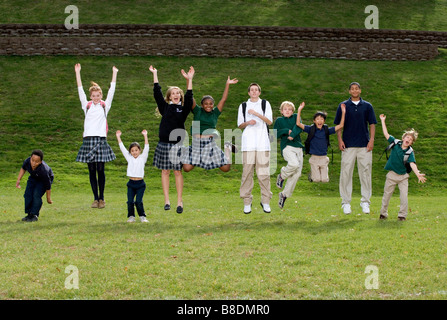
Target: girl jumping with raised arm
x=204, y=152
x=95, y=151
x=174, y=108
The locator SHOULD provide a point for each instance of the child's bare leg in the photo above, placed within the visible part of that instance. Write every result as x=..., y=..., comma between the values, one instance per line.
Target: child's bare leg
x=227, y=167
x=179, y=185
x=165, y=184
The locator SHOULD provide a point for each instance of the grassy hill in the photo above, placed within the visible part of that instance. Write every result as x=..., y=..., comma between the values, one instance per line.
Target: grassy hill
x=396, y=14
x=41, y=109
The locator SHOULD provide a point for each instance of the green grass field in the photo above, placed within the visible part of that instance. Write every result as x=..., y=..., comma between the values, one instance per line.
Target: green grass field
x=308, y=250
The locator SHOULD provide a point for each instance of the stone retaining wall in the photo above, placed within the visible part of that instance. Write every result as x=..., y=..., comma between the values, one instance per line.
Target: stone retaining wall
x=220, y=41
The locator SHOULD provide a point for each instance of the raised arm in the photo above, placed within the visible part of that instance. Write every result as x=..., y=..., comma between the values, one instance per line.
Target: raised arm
x=118, y=136
x=298, y=116
x=188, y=76
x=144, y=133
x=222, y=101
x=342, y=121
x=155, y=73
x=114, y=73
x=78, y=74
x=384, y=129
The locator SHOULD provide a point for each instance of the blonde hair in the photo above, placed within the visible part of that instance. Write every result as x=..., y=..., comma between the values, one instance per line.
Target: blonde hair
x=94, y=87
x=287, y=103
x=411, y=132
x=168, y=98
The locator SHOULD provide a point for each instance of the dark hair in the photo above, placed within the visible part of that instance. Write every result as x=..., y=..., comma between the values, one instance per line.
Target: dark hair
x=354, y=83
x=38, y=152
x=134, y=144
x=320, y=114
x=207, y=97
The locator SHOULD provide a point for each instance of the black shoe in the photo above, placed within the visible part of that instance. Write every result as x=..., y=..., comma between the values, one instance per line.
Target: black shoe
x=179, y=209
x=32, y=218
x=26, y=218
x=167, y=206
x=281, y=201
x=382, y=217
x=401, y=218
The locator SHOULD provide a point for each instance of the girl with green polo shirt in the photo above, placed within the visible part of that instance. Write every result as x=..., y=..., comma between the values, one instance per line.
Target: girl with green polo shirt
x=204, y=151
x=397, y=174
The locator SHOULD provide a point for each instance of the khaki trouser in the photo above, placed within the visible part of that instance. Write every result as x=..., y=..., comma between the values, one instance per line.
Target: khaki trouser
x=393, y=179
x=364, y=165
x=319, y=168
x=292, y=172
x=260, y=160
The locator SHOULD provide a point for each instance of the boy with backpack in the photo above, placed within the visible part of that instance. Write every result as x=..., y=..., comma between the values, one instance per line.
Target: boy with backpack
x=317, y=142
x=254, y=117
x=400, y=163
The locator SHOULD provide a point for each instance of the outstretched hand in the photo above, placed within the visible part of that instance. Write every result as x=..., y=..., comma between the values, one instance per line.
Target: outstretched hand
x=152, y=69
x=382, y=117
x=190, y=74
x=302, y=104
x=232, y=81
x=115, y=69
x=77, y=67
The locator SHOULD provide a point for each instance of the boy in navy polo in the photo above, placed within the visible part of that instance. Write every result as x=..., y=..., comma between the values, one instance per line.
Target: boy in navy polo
x=398, y=174
x=39, y=182
x=318, y=144
x=356, y=144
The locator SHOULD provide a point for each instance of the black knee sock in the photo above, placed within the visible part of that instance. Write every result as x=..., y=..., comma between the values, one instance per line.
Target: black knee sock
x=93, y=180
x=101, y=179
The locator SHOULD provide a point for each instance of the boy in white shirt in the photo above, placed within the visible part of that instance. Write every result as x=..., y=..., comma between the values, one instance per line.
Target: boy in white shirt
x=135, y=171
x=255, y=147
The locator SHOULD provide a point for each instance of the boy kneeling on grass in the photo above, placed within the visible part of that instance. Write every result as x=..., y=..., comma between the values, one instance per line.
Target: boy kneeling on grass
x=399, y=170
x=39, y=182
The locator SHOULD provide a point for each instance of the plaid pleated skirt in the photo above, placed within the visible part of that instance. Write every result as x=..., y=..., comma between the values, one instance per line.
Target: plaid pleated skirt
x=168, y=156
x=204, y=153
x=95, y=149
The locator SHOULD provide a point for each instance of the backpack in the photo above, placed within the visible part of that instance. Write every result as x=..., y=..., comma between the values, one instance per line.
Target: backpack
x=263, y=105
x=310, y=136
x=103, y=105
x=406, y=154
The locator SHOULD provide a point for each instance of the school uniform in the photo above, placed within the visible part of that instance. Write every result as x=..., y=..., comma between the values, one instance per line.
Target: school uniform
x=168, y=153
x=204, y=152
x=291, y=150
x=39, y=181
x=255, y=152
x=135, y=188
x=95, y=147
x=397, y=175
x=358, y=117
x=319, y=161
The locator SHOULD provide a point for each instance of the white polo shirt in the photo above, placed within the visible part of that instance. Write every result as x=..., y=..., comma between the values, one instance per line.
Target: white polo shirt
x=135, y=166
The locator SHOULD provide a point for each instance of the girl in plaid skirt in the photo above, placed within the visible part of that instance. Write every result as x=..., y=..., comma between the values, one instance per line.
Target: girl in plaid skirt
x=174, y=109
x=204, y=151
x=95, y=151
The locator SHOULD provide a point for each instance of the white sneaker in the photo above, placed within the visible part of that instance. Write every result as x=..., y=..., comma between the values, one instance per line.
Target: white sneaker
x=143, y=219
x=266, y=207
x=346, y=208
x=365, y=207
x=247, y=209
x=131, y=219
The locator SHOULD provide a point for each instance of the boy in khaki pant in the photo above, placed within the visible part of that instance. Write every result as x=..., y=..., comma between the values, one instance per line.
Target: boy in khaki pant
x=356, y=144
x=318, y=144
x=398, y=173
x=255, y=148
